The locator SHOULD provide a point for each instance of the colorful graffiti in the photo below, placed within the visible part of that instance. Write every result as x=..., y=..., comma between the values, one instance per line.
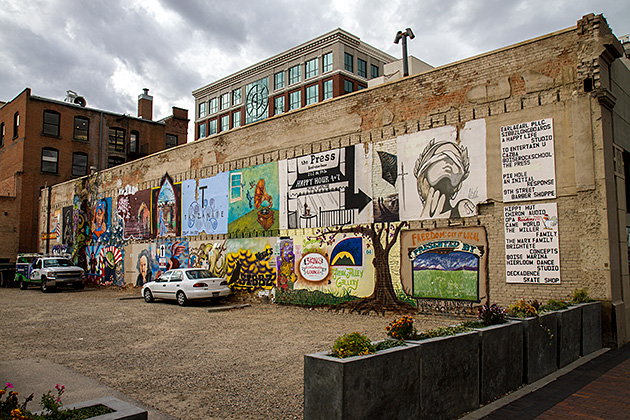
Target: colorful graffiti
x=254, y=198
x=251, y=264
x=205, y=205
x=209, y=255
x=165, y=208
x=67, y=236
x=286, y=264
x=134, y=210
x=445, y=264
x=101, y=220
x=443, y=172
x=327, y=188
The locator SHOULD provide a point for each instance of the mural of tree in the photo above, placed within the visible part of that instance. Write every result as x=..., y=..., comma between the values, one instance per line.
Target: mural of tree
x=383, y=236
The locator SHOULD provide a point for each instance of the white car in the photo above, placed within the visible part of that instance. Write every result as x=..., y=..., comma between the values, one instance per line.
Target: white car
x=184, y=284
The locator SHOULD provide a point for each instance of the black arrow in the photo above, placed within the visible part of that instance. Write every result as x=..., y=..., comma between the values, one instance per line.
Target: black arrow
x=361, y=199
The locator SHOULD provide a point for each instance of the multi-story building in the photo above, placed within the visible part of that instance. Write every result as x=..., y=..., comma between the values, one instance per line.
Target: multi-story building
x=46, y=141
x=331, y=65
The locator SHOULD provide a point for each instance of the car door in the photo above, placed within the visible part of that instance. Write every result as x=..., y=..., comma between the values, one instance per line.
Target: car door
x=159, y=288
x=174, y=284
x=36, y=268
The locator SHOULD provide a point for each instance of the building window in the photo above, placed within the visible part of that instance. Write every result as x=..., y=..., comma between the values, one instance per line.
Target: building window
x=327, y=62
x=278, y=80
x=225, y=101
x=311, y=69
x=236, y=96
x=116, y=139
x=114, y=161
x=236, y=186
x=51, y=123
x=278, y=105
x=16, y=124
x=312, y=94
x=171, y=140
x=79, y=164
x=328, y=89
x=133, y=142
x=362, y=68
x=349, y=62
x=212, y=127
x=236, y=119
x=295, y=100
x=1, y=134
x=50, y=157
x=202, y=130
x=203, y=109
x=225, y=122
x=295, y=74
x=81, y=128
x=214, y=105
x=348, y=86
x=374, y=71
x=360, y=87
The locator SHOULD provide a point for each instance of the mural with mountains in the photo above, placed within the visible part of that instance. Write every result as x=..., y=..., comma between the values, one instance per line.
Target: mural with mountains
x=446, y=275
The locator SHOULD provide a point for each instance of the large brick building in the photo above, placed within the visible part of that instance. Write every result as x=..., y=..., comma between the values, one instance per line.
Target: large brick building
x=45, y=141
x=534, y=138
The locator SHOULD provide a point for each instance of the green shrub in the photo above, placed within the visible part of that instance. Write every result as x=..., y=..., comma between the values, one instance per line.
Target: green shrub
x=580, y=296
x=523, y=309
x=491, y=314
x=387, y=344
x=443, y=331
x=554, y=305
x=353, y=344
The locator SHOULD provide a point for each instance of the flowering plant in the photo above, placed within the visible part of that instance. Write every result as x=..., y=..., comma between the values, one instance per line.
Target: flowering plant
x=402, y=328
x=523, y=309
x=353, y=344
x=491, y=314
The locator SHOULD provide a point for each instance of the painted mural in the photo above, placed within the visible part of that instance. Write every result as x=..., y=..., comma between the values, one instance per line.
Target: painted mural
x=171, y=253
x=327, y=188
x=251, y=263
x=165, y=209
x=385, y=181
x=101, y=220
x=210, y=255
x=68, y=227
x=443, y=172
x=444, y=264
x=205, y=205
x=339, y=264
x=285, y=264
x=134, y=210
x=254, y=199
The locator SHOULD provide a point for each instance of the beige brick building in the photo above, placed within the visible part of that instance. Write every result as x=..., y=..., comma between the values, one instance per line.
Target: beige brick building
x=570, y=82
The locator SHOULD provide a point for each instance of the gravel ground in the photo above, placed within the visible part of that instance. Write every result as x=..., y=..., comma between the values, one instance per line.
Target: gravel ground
x=185, y=361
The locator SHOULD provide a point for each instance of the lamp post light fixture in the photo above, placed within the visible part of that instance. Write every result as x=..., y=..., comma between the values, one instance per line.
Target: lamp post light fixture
x=404, y=35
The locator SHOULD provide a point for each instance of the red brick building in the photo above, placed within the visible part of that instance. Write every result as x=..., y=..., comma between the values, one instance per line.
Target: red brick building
x=46, y=141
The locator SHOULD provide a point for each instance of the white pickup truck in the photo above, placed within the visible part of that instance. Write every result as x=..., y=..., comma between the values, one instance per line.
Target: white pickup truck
x=48, y=272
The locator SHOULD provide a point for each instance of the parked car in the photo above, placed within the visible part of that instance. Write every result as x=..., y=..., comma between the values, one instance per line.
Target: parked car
x=184, y=284
x=48, y=272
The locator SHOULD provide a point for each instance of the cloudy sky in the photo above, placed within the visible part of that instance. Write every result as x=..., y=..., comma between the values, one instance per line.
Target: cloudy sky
x=108, y=51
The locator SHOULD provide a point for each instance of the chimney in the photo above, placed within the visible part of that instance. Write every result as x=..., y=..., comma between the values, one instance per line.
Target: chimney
x=145, y=105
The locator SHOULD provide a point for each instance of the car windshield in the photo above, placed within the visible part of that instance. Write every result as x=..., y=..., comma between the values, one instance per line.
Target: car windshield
x=198, y=274
x=58, y=262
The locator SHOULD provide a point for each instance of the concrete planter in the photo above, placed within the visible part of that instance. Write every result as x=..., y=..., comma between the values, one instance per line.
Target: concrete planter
x=501, y=360
x=591, y=327
x=450, y=375
x=540, y=346
x=569, y=335
x=122, y=410
x=381, y=385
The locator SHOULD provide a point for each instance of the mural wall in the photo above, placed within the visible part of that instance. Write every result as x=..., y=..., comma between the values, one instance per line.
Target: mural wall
x=254, y=199
x=251, y=263
x=205, y=205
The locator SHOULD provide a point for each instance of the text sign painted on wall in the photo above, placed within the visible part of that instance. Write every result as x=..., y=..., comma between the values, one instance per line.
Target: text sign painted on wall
x=531, y=244
x=527, y=158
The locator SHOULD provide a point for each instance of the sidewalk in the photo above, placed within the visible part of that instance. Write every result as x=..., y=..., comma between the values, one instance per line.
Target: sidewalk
x=595, y=387
x=39, y=376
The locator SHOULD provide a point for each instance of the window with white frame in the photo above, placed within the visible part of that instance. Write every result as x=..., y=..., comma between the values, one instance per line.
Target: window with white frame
x=225, y=101
x=203, y=109
x=312, y=94
x=236, y=96
x=311, y=68
x=278, y=105
x=295, y=74
x=295, y=100
x=327, y=62
x=236, y=119
x=278, y=80
x=214, y=105
x=328, y=89
x=202, y=130
x=225, y=122
x=212, y=127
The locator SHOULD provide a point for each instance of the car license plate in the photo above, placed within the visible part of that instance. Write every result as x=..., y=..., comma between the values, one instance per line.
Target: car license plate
x=215, y=293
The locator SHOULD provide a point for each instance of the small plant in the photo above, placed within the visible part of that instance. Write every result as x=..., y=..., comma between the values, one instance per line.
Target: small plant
x=353, y=344
x=443, y=331
x=554, y=305
x=387, y=344
x=402, y=328
x=523, y=309
x=491, y=314
x=580, y=296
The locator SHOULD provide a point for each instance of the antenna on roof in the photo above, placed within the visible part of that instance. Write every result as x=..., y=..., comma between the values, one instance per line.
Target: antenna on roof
x=74, y=98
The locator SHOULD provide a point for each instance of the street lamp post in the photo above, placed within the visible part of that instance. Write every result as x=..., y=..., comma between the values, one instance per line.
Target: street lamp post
x=403, y=35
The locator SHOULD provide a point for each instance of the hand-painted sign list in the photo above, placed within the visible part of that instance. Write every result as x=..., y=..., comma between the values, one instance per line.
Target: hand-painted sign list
x=531, y=244
x=528, y=161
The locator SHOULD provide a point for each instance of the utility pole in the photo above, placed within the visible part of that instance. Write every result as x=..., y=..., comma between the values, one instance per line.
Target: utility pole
x=404, y=35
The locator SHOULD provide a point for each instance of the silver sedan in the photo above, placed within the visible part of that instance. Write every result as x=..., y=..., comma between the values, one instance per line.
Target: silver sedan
x=184, y=284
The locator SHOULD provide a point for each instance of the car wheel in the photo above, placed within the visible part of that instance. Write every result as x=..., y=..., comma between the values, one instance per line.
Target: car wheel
x=45, y=287
x=148, y=296
x=23, y=285
x=182, y=300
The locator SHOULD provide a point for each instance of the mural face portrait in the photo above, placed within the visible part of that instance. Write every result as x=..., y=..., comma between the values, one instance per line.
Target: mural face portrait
x=144, y=268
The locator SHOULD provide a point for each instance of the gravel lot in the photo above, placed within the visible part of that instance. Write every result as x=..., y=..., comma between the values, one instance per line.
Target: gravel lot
x=185, y=361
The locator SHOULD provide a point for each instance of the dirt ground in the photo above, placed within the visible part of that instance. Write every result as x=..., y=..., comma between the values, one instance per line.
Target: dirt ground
x=185, y=361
